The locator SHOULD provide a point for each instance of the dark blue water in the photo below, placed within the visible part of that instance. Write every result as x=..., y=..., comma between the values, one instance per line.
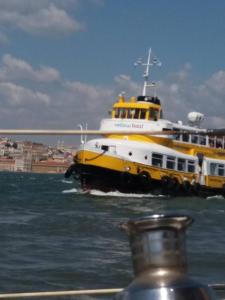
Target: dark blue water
x=54, y=238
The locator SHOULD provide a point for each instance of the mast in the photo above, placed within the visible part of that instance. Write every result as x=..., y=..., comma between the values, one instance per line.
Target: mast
x=146, y=73
x=151, y=61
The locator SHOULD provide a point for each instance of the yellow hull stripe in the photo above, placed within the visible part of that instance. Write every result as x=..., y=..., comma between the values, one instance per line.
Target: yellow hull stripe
x=121, y=165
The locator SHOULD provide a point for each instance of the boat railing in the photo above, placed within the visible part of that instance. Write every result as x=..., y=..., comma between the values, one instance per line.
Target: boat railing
x=203, y=141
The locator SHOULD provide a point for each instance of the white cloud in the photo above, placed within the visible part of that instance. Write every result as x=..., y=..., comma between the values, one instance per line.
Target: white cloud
x=13, y=68
x=26, y=6
x=180, y=94
x=126, y=84
x=88, y=102
x=47, y=21
x=39, y=17
x=15, y=95
x=216, y=84
x=44, y=98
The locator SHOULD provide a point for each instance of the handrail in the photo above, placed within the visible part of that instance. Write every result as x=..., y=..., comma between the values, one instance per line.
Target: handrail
x=60, y=293
x=96, y=292
x=87, y=132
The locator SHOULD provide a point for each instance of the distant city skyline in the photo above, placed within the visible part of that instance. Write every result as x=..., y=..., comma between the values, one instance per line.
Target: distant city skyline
x=63, y=63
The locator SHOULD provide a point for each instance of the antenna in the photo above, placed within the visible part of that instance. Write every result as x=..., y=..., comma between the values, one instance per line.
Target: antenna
x=151, y=61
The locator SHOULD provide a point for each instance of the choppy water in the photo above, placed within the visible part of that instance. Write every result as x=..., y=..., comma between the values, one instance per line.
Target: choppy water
x=53, y=237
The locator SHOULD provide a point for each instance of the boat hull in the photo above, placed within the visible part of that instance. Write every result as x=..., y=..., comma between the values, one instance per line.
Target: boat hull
x=107, y=180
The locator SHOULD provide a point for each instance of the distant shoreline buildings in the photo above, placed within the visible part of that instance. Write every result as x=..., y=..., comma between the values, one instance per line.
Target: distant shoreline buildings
x=26, y=156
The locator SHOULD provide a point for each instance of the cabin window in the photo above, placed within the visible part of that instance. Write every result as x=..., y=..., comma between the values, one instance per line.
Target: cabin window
x=181, y=164
x=153, y=113
x=170, y=162
x=221, y=170
x=185, y=137
x=157, y=159
x=202, y=140
x=213, y=169
x=211, y=142
x=194, y=139
x=191, y=166
x=218, y=143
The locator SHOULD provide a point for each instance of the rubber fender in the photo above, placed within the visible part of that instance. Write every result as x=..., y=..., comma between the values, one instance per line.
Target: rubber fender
x=144, y=177
x=186, y=185
x=174, y=184
x=126, y=179
x=196, y=187
x=170, y=183
x=223, y=190
x=166, y=181
x=72, y=170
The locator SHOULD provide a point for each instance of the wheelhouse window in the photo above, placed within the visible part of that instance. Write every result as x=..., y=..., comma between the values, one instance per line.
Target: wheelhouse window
x=120, y=113
x=142, y=113
x=117, y=113
x=157, y=159
x=153, y=113
x=181, y=164
x=191, y=166
x=136, y=113
x=170, y=162
x=130, y=113
x=123, y=113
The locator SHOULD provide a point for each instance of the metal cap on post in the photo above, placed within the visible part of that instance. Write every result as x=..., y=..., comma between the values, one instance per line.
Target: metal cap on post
x=159, y=260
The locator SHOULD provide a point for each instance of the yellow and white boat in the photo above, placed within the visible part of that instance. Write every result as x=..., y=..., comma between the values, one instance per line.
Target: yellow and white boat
x=141, y=152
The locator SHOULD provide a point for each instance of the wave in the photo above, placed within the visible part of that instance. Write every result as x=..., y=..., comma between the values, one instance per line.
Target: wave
x=219, y=197
x=71, y=191
x=67, y=181
x=119, y=194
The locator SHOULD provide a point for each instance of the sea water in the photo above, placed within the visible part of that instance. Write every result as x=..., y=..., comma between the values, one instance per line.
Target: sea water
x=54, y=237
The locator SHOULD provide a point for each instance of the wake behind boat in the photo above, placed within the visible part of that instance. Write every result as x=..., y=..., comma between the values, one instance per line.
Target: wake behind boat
x=174, y=159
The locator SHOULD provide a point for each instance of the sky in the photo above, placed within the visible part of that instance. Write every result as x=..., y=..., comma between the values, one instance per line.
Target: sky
x=64, y=62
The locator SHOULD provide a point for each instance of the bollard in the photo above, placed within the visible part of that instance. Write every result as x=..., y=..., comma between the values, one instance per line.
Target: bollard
x=159, y=260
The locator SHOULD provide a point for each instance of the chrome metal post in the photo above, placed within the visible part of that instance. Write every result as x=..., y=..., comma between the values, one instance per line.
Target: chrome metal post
x=159, y=260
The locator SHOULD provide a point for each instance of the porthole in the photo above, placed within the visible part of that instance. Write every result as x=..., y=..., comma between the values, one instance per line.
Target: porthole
x=130, y=153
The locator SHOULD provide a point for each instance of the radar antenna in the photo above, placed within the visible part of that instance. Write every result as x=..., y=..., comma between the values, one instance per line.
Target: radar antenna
x=151, y=61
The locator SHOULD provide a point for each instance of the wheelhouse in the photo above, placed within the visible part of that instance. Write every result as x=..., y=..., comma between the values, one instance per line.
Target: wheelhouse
x=141, y=108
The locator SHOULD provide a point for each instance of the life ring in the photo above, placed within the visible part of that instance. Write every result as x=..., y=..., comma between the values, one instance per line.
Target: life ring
x=125, y=179
x=72, y=170
x=144, y=178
